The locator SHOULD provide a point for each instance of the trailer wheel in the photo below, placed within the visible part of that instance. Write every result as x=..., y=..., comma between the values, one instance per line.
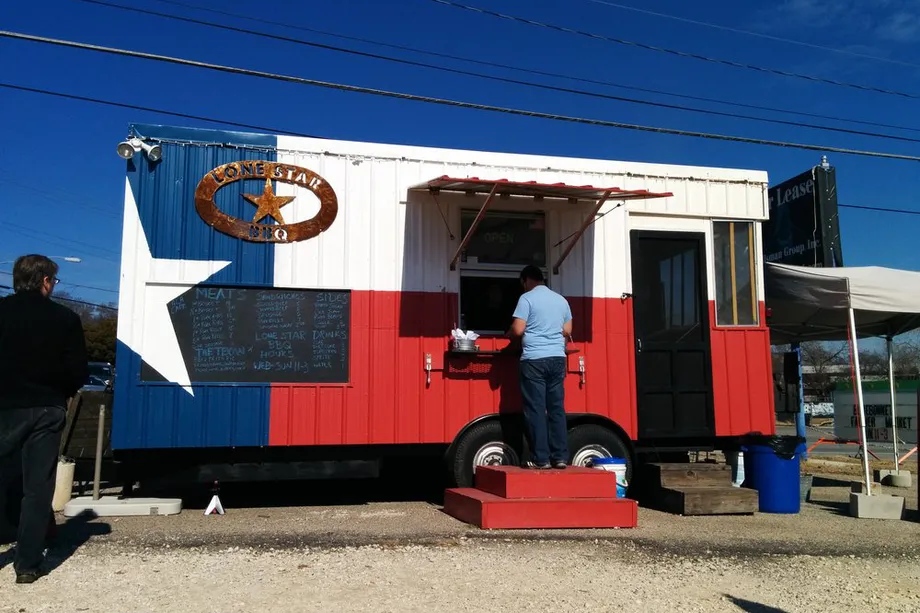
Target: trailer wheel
x=592, y=441
x=481, y=445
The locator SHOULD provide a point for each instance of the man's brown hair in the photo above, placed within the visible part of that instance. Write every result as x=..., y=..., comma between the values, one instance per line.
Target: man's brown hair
x=29, y=272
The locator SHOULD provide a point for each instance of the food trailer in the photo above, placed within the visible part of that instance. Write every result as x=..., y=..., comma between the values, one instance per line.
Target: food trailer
x=286, y=304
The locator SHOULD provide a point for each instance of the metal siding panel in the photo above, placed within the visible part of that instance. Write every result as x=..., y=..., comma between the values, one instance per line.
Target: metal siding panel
x=401, y=250
x=160, y=414
x=742, y=378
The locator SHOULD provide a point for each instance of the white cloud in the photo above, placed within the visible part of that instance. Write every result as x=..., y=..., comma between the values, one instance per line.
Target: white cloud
x=863, y=21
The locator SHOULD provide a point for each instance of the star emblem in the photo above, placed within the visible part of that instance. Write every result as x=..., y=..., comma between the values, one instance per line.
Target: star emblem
x=268, y=204
x=156, y=343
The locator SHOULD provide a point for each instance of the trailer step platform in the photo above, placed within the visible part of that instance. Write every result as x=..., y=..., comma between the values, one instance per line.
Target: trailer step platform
x=696, y=488
x=508, y=497
x=708, y=500
x=572, y=482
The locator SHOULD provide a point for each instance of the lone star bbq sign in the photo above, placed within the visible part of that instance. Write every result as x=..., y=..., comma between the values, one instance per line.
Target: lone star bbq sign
x=268, y=204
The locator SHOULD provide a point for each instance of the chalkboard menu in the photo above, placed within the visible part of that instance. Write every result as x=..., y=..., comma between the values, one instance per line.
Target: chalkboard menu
x=262, y=335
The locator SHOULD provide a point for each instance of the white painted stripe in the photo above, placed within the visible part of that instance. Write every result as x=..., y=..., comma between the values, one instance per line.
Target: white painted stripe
x=386, y=238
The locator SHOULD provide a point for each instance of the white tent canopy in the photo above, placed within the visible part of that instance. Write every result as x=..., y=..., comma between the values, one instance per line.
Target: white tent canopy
x=812, y=304
x=808, y=304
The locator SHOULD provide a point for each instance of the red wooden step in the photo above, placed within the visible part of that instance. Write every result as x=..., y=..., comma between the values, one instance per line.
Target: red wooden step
x=571, y=482
x=491, y=512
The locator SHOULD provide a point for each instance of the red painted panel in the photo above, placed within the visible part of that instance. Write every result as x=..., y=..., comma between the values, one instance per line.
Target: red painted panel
x=389, y=401
x=742, y=378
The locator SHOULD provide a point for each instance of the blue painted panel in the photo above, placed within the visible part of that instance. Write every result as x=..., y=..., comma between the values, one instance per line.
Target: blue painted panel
x=163, y=415
x=165, y=195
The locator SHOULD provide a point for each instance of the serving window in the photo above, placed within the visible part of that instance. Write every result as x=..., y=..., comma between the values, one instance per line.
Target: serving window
x=490, y=266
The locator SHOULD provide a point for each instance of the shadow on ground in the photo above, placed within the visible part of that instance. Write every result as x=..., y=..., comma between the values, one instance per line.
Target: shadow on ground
x=399, y=483
x=71, y=535
x=750, y=606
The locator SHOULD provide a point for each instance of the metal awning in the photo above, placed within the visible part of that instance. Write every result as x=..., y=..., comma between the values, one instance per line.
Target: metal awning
x=538, y=191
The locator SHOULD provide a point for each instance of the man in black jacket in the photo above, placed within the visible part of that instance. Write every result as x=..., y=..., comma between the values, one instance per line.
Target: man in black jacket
x=43, y=362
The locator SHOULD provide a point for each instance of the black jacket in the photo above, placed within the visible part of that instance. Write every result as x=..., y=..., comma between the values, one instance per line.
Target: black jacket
x=43, y=358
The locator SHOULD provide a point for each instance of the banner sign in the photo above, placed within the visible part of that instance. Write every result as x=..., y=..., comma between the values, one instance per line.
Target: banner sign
x=878, y=415
x=804, y=228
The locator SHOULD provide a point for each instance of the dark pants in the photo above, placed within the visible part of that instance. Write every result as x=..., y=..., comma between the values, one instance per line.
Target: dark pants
x=544, y=408
x=35, y=435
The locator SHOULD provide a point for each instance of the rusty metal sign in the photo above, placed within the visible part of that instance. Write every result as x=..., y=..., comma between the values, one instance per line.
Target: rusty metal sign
x=267, y=203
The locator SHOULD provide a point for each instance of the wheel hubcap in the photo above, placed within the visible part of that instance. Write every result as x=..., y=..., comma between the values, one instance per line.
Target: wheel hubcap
x=590, y=452
x=493, y=454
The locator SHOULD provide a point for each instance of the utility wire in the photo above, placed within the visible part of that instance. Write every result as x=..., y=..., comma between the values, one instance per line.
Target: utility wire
x=105, y=102
x=19, y=229
x=98, y=289
x=147, y=109
x=676, y=52
x=83, y=302
x=790, y=41
x=567, y=90
x=544, y=73
x=878, y=208
x=448, y=102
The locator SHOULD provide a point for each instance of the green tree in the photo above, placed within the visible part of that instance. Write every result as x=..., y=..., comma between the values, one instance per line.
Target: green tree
x=100, y=338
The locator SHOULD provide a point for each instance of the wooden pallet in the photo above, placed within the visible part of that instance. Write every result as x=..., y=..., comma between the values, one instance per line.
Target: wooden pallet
x=697, y=489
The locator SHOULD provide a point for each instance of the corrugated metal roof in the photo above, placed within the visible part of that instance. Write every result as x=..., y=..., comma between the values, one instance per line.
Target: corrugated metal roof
x=504, y=187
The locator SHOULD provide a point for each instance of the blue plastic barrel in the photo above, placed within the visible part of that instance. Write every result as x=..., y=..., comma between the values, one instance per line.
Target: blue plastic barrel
x=772, y=467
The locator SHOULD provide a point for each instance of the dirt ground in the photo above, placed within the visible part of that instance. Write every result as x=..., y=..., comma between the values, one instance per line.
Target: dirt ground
x=410, y=556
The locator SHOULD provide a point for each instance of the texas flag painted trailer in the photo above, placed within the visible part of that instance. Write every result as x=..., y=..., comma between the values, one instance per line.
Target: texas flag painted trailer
x=286, y=304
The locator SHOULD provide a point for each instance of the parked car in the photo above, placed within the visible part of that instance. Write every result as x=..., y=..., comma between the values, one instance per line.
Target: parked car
x=102, y=370
x=95, y=383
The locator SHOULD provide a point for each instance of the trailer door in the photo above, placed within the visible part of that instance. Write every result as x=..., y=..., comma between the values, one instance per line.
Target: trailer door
x=671, y=323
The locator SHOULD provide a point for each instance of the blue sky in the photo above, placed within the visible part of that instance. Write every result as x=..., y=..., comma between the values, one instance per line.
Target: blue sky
x=61, y=183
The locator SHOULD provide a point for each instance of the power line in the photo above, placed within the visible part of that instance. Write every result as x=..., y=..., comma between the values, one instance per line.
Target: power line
x=878, y=208
x=449, y=102
x=47, y=195
x=568, y=90
x=147, y=109
x=20, y=230
x=83, y=302
x=676, y=52
x=558, y=75
x=98, y=289
x=781, y=39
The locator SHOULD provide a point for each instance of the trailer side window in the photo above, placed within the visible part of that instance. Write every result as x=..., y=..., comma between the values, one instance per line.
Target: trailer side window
x=736, y=292
x=490, y=266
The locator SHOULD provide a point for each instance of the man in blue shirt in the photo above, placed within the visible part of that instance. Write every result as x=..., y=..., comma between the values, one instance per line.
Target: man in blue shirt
x=543, y=321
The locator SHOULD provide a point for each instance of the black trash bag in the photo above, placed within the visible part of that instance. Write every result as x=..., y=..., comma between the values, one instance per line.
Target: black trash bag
x=783, y=446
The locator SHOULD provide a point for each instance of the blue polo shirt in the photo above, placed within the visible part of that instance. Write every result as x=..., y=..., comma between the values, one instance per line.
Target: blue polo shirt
x=544, y=312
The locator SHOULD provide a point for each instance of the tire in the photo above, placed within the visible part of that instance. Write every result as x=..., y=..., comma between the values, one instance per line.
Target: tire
x=483, y=444
x=594, y=441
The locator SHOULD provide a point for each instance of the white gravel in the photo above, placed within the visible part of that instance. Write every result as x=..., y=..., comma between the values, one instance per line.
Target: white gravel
x=469, y=576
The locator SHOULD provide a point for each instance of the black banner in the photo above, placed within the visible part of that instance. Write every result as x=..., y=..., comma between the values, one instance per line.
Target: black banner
x=804, y=228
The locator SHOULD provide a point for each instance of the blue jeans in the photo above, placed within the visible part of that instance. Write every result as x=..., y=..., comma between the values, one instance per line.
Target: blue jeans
x=30, y=437
x=544, y=408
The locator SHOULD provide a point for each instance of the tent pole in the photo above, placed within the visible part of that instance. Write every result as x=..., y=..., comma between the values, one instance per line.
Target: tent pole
x=800, y=416
x=859, y=400
x=894, y=407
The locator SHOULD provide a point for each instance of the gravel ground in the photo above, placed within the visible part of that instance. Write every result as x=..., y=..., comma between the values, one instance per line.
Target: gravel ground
x=408, y=556
x=469, y=576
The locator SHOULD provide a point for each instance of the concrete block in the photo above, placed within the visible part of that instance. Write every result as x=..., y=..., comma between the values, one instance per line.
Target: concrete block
x=877, y=506
x=859, y=487
x=110, y=506
x=894, y=478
